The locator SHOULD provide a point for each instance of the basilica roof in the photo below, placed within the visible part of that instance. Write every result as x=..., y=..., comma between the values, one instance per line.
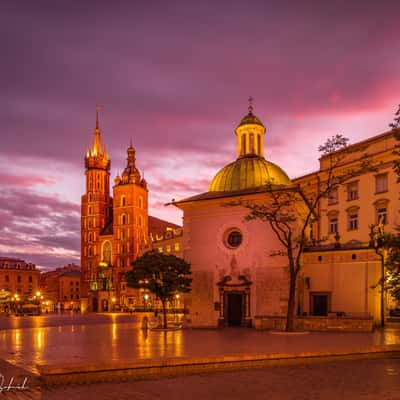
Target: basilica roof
x=248, y=172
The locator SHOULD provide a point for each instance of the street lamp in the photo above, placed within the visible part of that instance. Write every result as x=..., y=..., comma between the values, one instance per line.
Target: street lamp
x=377, y=239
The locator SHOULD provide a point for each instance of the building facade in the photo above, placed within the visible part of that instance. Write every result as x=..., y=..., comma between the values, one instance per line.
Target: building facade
x=240, y=273
x=19, y=278
x=60, y=289
x=114, y=229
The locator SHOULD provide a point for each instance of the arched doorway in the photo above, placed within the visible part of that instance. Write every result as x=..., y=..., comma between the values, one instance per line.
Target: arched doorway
x=235, y=302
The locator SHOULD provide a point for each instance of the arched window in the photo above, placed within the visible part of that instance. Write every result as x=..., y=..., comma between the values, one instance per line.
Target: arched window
x=106, y=252
x=123, y=201
x=140, y=202
x=251, y=144
x=124, y=219
x=90, y=210
x=90, y=196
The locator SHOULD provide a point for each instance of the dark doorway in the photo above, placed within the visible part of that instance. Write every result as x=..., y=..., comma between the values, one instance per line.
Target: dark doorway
x=319, y=305
x=95, y=305
x=235, y=309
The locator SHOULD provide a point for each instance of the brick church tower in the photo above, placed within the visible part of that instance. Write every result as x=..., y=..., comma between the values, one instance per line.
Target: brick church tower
x=114, y=230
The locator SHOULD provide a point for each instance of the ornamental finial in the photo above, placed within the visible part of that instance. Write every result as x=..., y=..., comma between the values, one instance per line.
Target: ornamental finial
x=250, y=108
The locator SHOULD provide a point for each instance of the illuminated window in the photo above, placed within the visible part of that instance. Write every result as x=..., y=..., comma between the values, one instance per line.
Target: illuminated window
x=251, y=144
x=176, y=247
x=160, y=249
x=168, y=249
x=107, y=251
x=381, y=183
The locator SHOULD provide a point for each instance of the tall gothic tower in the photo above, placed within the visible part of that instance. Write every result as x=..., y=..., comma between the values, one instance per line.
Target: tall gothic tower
x=96, y=207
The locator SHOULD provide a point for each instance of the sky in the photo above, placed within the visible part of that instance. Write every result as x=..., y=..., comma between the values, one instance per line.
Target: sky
x=174, y=77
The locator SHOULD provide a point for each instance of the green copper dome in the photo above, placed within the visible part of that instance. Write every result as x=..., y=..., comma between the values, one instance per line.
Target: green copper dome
x=248, y=172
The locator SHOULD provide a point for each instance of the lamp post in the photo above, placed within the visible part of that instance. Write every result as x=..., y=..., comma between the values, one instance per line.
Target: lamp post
x=377, y=237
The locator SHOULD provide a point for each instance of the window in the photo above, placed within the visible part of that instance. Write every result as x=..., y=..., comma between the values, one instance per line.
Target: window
x=333, y=196
x=168, y=248
x=251, y=144
x=381, y=215
x=140, y=202
x=333, y=224
x=176, y=247
x=30, y=279
x=258, y=144
x=140, y=220
x=123, y=219
x=243, y=144
x=90, y=210
x=18, y=279
x=233, y=239
x=107, y=252
x=160, y=249
x=352, y=221
x=7, y=278
x=352, y=191
x=319, y=304
x=381, y=183
x=123, y=201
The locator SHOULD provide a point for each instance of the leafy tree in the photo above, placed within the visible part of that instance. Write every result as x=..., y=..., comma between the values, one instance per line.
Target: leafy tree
x=392, y=265
x=395, y=126
x=290, y=214
x=164, y=275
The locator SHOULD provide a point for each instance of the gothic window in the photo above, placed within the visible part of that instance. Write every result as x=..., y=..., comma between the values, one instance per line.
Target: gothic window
x=107, y=252
x=124, y=219
x=381, y=183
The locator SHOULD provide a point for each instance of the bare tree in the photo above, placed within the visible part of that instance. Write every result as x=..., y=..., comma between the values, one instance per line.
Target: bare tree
x=290, y=214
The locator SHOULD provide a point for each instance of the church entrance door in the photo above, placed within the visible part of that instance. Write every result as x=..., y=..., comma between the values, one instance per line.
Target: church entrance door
x=235, y=309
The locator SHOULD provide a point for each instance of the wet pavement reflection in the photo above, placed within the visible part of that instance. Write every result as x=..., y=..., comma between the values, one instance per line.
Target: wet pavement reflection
x=107, y=338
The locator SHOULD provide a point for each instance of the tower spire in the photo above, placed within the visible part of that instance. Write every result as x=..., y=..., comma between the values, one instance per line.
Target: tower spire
x=97, y=115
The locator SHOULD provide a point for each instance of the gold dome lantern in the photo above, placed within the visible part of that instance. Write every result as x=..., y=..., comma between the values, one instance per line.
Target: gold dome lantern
x=251, y=169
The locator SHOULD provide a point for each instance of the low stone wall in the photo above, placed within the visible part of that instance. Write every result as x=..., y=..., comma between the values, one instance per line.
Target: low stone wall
x=321, y=324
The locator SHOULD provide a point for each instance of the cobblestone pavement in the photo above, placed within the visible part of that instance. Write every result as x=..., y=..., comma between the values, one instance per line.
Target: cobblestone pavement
x=343, y=380
x=92, y=339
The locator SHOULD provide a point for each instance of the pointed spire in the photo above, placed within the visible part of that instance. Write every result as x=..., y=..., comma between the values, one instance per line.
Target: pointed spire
x=97, y=148
x=97, y=115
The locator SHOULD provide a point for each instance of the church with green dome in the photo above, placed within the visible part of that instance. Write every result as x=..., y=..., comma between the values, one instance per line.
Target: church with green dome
x=234, y=276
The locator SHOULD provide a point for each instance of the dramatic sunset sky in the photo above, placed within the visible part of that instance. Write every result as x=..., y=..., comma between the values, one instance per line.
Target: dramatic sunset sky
x=175, y=77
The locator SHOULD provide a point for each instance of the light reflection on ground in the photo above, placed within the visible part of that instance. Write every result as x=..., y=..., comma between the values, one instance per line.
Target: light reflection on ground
x=93, y=339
